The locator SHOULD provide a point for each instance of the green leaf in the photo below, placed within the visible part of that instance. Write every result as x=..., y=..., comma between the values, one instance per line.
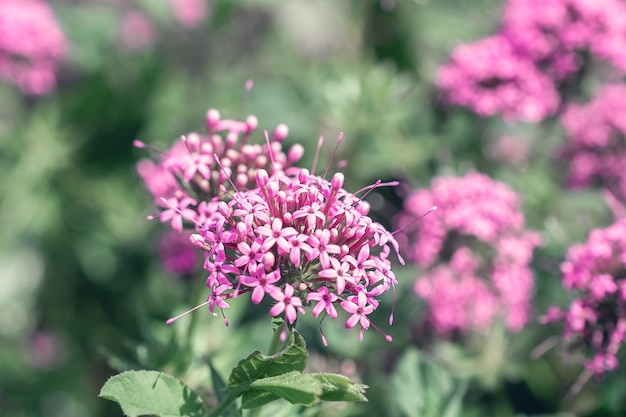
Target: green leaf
x=295, y=387
x=254, y=398
x=337, y=387
x=258, y=366
x=152, y=393
x=421, y=388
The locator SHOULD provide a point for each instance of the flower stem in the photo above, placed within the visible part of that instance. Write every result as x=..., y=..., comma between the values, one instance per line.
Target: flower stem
x=275, y=343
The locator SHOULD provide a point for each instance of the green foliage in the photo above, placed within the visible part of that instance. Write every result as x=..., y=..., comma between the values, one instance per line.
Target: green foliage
x=257, y=379
x=420, y=388
x=152, y=393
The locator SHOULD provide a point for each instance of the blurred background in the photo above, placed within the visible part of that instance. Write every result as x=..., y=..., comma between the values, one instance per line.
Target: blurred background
x=83, y=291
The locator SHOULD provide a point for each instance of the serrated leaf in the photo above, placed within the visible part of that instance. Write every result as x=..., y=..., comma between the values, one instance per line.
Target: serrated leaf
x=337, y=387
x=258, y=366
x=152, y=393
x=295, y=387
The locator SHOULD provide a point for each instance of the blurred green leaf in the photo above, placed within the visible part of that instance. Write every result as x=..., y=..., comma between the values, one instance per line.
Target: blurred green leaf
x=420, y=388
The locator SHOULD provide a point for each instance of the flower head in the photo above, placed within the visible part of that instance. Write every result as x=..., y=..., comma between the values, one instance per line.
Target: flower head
x=475, y=253
x=595, y=322
x=553, y=38
x=32, y=44
x=332, y=255
x=201, y=169
x=490, y=78
x=596, y=150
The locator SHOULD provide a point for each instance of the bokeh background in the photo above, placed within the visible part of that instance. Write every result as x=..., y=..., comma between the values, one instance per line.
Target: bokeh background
x=83, y=292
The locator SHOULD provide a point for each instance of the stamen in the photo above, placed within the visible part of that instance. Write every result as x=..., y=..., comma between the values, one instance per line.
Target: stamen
x=142, y=145
x=544, y=347
x=219, y=163
x=333, y=155
x=393, y=305
x=433, y=208
x=324, y=340
x=385, y=335
x=579, y=384
x=317, y=153
x=173, y=319
x=378, y=184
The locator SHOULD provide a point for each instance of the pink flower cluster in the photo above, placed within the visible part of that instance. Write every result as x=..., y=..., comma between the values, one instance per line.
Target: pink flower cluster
x=198, y=167
x=552, y=37
x=475, y=252
x=299, y=239
x=596, y=321
x=514, y=72
x=596, y=150
x=287, y=234
x=31, y=45
x=490, y=78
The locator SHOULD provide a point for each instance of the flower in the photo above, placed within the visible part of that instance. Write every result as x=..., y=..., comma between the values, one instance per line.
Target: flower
x=596, y=151
x=202, y=168
x=190, y=13
x=177, y=255
x=490, y=78
x=475, y=253
x=136, y=31
x=553, y=38
x=335, y=255
x=595, y=322
x=32, y=44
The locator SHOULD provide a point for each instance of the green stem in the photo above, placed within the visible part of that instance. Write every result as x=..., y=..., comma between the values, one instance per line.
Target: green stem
x=234, y=394
x=275, y=343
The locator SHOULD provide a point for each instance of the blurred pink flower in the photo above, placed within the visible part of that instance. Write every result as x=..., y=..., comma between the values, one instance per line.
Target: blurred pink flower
x=32, y=44
x=596, y=150
x=509, y=149
x=137, y=31
x=552, y=37
x=475, y=252
x=178, y=256
x=190, y=13
x=489, y=78
x=595, y=322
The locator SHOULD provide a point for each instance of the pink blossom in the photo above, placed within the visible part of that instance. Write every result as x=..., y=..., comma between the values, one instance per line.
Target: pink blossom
x=280, y=261
x=359, y=307
x=594, y=324
x=475, y=252
x=287, y=303
x=293, y=235
x=189, y=12
x=136, y=31
x=553, y=38
x=190, y=168
x=178, y=256
x=32, y=45
x=595, y=151
x=490, y=78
